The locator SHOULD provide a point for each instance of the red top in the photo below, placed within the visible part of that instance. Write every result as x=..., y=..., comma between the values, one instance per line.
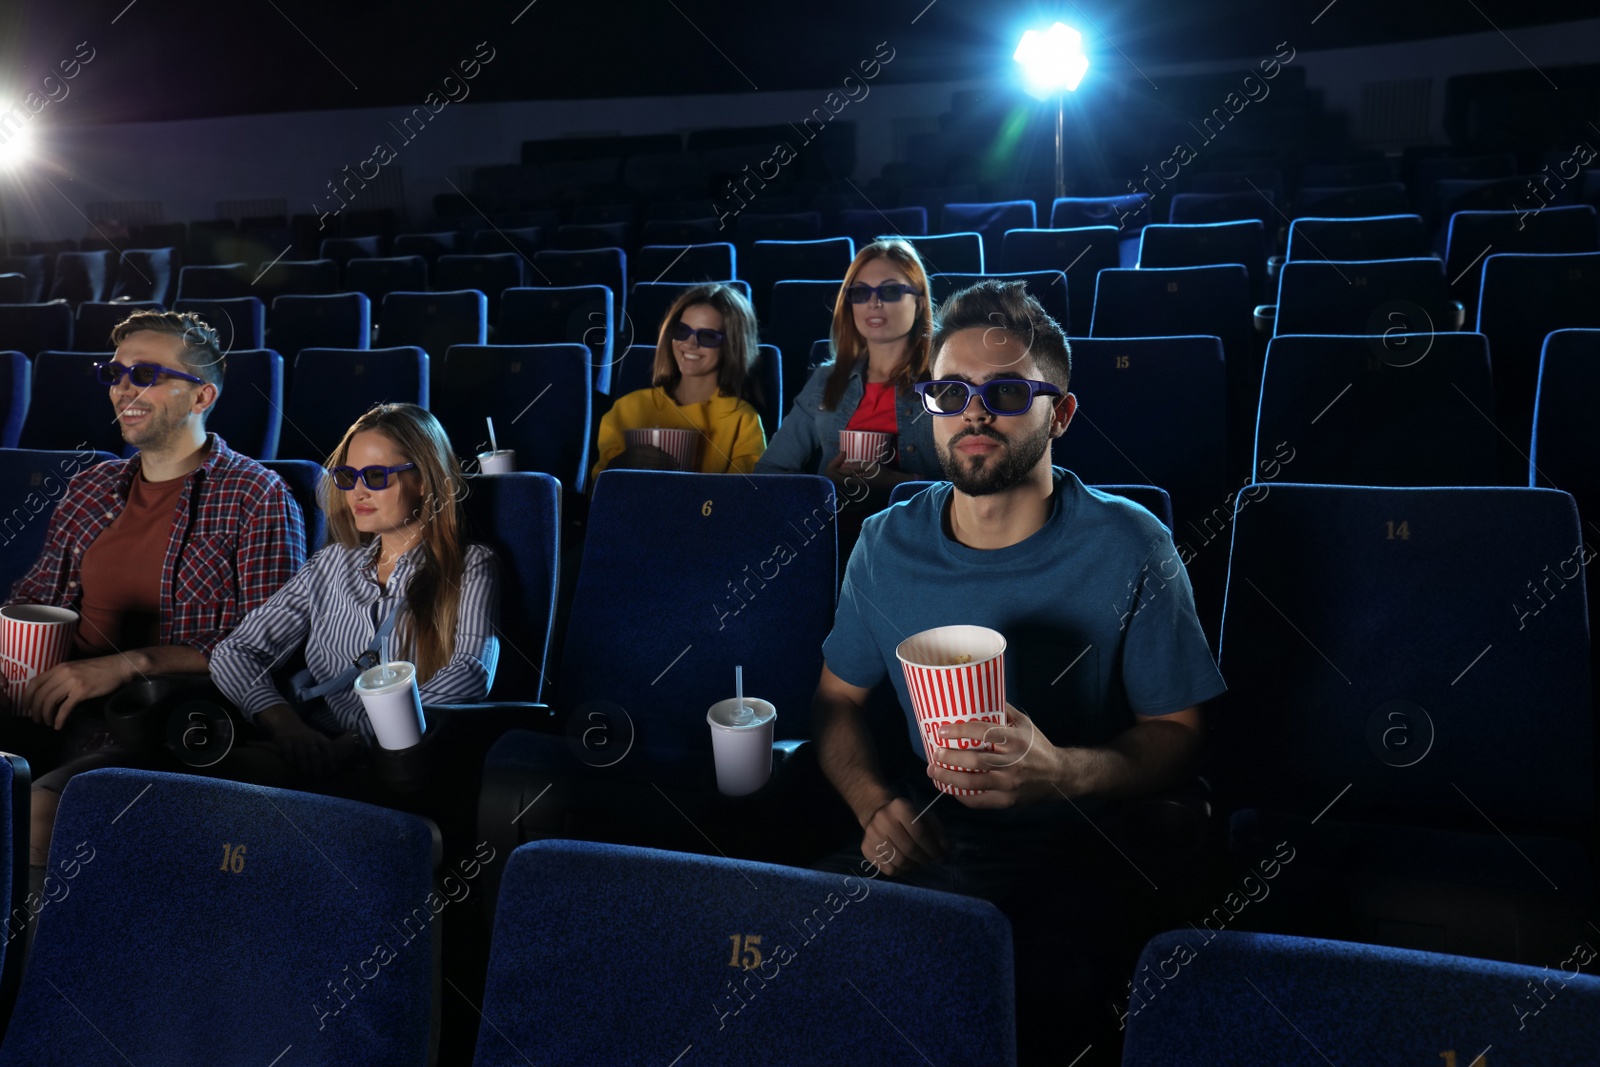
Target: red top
x=121, y=572
x=875, y=413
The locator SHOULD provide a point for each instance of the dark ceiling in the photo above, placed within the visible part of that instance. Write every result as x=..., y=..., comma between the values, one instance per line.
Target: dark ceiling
x=176, y=59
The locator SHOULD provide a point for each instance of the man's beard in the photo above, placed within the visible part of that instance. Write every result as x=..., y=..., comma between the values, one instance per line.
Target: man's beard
x=976, y=476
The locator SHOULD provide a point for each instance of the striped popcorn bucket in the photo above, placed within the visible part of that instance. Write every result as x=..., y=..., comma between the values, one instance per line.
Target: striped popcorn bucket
x=865, y=446
x=955, y=674
x=681, y=445
x=33, y=638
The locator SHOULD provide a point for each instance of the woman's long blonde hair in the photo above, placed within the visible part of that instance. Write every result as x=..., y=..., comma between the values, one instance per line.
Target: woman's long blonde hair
x=433, y=599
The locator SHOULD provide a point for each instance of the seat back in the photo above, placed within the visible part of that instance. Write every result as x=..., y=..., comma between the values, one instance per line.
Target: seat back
x=1150, y=411
x=343, y=249
x=1402, y=409
x=768, y=262
x=368, y=869
x=793, y=226
x=1372, y=237
x=489, y=274
x=706, y=614
x=1268, y=998
x=70, y=409
x=333, y=387
x=1474, y=233
x=34, y=328
x=1080, y=253
x=435, y=321
x=248, y=413
x=81, y=276
x=947, y=253
x=711, y=262
x=36, y=268
x=990, y=221
x=790, y=993
x=91, y=331
x=430, y=246
x=1351, y=201
x=538, y=395
x=1128, y=213
x=519, y=517
x=16, y=390
x=801, y=313
x=1523, y=299
x=579, y=314
x=1191, y=208
x=227, y=281
x=31, y=482
x=1203, y=244
x=240, y=322
x=144, y=274
x=304, y=479
x=337, y=320
x=381, y=275
x=291, y=277
x=1370, y=297
x=1049, y=287
x=594, y=266
x=1393, y=597
x=1176, y=302
x=863, y=224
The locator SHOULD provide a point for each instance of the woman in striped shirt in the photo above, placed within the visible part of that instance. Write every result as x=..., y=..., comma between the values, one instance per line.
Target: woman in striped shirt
x=396, y=549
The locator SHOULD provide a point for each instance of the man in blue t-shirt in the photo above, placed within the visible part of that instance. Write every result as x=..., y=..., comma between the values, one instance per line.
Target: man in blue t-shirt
x=1106, y=664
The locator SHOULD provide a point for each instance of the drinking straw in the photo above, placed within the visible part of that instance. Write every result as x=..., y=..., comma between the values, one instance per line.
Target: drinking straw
x=494, y=446
x=743, y=714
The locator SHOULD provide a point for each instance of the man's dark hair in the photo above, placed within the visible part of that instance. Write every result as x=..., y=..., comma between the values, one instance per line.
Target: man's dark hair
x=1007, y=306
x=202, y=352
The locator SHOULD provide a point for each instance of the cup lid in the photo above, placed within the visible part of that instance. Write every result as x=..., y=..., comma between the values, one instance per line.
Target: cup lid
x=372, y=682
x=722, y=713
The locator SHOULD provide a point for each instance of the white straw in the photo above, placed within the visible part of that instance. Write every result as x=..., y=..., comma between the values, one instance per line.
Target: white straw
x=494, y=446
x=743, y=713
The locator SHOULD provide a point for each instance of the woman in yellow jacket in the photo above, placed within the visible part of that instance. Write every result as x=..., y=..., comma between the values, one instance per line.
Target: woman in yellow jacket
x=703, y=355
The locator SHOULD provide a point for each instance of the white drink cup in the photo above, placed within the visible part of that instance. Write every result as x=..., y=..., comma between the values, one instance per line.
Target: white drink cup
x=743, y=751
x=501, y=462
x=393, y=704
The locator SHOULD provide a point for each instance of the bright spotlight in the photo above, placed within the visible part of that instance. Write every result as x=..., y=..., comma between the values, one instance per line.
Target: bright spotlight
x=16, y=141
x=1052, y=60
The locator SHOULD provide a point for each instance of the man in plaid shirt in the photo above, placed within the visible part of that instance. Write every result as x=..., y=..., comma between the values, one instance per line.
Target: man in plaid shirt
x=191, y=535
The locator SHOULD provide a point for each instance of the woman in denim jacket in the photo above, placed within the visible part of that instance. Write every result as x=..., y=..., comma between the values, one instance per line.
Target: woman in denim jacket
x=882, y=323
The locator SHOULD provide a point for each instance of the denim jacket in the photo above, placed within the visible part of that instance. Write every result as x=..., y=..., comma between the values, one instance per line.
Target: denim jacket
x=809, y=437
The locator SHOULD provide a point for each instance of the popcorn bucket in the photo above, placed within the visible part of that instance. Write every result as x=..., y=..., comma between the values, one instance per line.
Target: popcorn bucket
x=955, y=674
x=681, y=445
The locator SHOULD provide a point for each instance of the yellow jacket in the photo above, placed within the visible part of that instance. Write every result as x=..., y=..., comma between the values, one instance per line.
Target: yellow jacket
x=733, y=438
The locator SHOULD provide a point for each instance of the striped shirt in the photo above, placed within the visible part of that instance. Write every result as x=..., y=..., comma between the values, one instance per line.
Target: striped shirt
x=236, y=538
x=331, y=609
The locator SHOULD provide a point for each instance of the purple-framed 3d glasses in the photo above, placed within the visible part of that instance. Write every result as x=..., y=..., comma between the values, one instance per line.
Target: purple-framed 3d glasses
x=374, y=477
x=1000, y=396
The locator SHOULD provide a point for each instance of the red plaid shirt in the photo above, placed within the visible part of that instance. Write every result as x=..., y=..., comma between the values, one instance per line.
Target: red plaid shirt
x=236, y=537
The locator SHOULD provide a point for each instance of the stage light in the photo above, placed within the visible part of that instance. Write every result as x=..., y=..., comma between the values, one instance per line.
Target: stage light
x=1053, y=64
x=1052, y=60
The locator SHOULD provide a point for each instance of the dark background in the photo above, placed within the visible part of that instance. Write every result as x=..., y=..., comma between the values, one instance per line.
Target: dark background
x=182, y=59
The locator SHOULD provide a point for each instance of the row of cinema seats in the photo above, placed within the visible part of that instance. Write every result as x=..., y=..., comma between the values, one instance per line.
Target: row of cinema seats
x=1407, y=409
x=800, y=989
x=1395, y=590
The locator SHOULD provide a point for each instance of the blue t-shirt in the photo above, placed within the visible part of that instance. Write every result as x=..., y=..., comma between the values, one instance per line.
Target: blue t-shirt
x=1095, y=607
